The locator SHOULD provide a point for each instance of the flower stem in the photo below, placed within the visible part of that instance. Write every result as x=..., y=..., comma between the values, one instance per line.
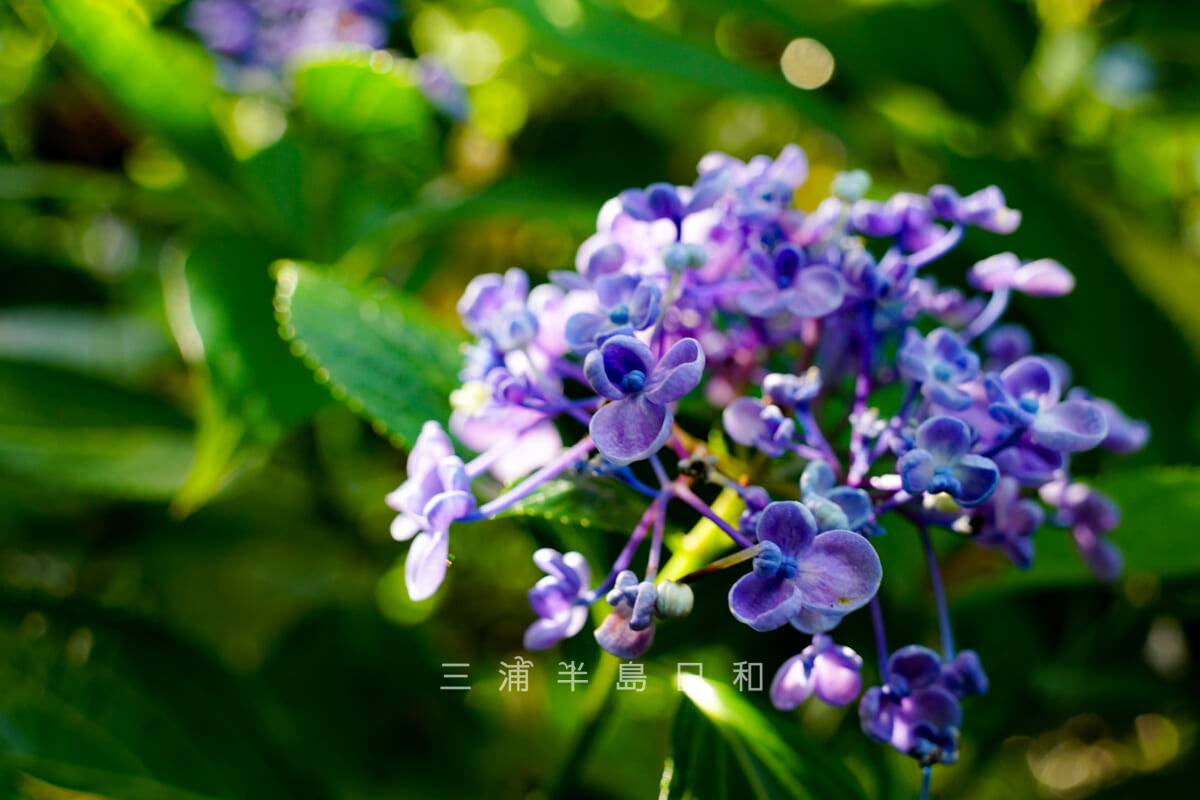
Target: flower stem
x=705, y=540
x=625, y=557
x=530, y=484
x=987, y=318
x=926, y=775
x=939, y=597
x=881, y=648
x=686, y=495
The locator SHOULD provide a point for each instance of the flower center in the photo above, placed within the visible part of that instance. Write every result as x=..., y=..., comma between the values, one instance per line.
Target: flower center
x=619, y=315
x=1028, y=404
x=634, y=381
x=771, y=562
x=942, y=372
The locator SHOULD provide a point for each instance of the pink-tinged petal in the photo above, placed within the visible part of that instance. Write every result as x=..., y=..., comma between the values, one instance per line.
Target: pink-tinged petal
x=536, y=448
x=789, y=525
x=743, y=420
x=425, y=567
x=615, y=636
x=946, y=438
x=764, y=603
x=1044, y=278
x=818, y=292
x=1070, y=427
x=837, y=676
x=792, y=684
x=405, y=526
x=840, y=572
x=994, y=272
x=677, y=373
x=978, y=477
x=630, y=429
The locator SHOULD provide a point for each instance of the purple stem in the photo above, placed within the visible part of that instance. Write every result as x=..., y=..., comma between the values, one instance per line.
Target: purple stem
x=862, y=388
x=991, y=312
x=881, y=648
x=625, y=557
x=936, y=250
x=939, y=597
x=812, y=432
x=530, y=484
x=660, y=525
x=899, y=498
x=686, y=495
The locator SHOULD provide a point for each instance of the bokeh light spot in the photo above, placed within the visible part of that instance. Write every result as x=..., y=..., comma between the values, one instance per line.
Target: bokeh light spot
x=806, y=63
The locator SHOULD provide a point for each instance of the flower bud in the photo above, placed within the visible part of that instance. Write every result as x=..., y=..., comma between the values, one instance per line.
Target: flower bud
x=674, y=600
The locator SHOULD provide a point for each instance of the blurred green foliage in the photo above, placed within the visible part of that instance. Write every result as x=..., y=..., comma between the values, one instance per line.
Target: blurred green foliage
x=224, y=315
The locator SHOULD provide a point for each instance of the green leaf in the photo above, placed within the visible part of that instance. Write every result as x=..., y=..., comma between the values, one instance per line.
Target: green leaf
x=381, y=353
x=584, y=502
x=363, y=94
x=611, y=41
x=105, y=703
x=251, y=390
x=724, y=747
x=86, y=435
x=1159, y=509
x=164, y=82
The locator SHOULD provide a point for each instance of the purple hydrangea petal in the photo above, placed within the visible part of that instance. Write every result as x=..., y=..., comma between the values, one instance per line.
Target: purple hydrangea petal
x=792, y=684
x=447, y=507
x=763, y=301
x=545, y=633
x=432, y=445
x=405, y=526
x=946, y=438
x=813, y=621
x=764, y=603
x=1032, y=377
x=837, y=675
x=914, y=667
x=995, y=272
x=582, y=330
x=548, y=598
x=855, y=504
x=818, y=292
x=788, y=525
x=916, y=470
x=1044, y=278
x=1100, y=555
x=425, y=565
x=817, y=479
x=743, y=421
x=828, y=514
x=876, y=715
x=630, y=429
x=978, y=477
x=1070, y=427
x=840, y=572
x=677, y=373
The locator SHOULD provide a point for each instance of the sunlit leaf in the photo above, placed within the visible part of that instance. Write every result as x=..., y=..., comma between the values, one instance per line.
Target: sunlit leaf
x=724, y=747
x=380, y=352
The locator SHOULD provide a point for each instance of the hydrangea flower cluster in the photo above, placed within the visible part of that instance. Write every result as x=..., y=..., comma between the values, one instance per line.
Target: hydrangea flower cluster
x=790, y=329
x=268, y=33
x=256, y=40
